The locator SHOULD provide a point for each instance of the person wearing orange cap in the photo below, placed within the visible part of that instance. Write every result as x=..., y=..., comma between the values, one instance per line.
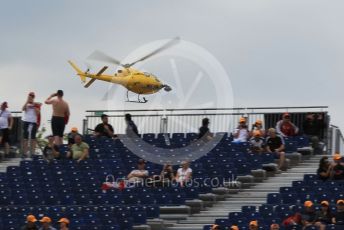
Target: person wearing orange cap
x=323, y=216
x=253, y=225
x=274, y=226
x=30, y=223
x=64, y=223
x=241, y=133
x=234, y=227
x=31, y=110
x=258, y=126
x=285, y=127
x=338, y=167
x=325, y=169
x=46, y=224
x=6, y=124
x=71, y=135
x=338, y=218
x=257, y=142
x=308, y=214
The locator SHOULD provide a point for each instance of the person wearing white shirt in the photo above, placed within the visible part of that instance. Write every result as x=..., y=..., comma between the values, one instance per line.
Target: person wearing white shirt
x=184, y=174
x=30, y=119
x=241, y=133
x=140, y=174
x=6, y=123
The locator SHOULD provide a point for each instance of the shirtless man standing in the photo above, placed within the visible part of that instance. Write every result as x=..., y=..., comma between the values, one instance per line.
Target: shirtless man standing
x=60, y=115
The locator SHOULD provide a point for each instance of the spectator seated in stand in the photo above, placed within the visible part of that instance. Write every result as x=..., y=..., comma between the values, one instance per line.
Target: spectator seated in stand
x=46, y=224
x=234, y=227
x=79, y=150
x=30, y=223
x=275, y=144
x=167, y=174
x=104, y=129
x=325, y=169
x=64, y=224
x=253, y=225
x=292, y=221
x=241, y=133
x=323, y=216
x=51, y=151
x=215, y=227
x=338, y=167
x=71, y=136
x=308, y=214
x=257, y=142
x=258, y=126
x=338, y=218
x=184, y=173
x=204, y=132
x=274, y=227
x=138, y=176
x=285, y=127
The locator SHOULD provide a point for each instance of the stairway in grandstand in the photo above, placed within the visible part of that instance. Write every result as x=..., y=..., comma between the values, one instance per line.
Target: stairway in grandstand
x=255, y=195
x=9, y=162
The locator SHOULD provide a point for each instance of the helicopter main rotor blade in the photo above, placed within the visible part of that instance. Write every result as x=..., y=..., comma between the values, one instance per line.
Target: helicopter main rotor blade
x=169, y=44
x=100, y=56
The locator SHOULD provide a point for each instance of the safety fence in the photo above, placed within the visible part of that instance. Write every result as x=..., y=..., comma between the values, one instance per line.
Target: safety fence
x=189, y=120
x=335, y=140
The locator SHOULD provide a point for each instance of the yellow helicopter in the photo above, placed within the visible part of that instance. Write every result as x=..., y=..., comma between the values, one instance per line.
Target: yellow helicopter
x=134, y=80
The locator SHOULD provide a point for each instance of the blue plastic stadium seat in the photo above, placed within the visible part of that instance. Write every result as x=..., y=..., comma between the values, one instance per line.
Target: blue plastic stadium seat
x=163, y=198
x=191, y=136
x=274, y=198
x=306, y=196
x=207, y=227
x=222, y=222
x=248, y=209
x=235, y=215
x=126, y=223
x=152, y=211
x=289, y=198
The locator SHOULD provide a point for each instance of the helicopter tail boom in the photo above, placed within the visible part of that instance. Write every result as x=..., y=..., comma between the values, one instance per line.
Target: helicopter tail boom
x=79, y=72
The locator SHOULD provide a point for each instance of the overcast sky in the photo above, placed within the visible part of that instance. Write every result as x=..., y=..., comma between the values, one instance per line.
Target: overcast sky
x=276, y=53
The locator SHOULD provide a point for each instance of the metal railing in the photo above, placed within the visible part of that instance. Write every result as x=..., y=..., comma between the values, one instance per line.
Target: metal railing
x=189, y=120
x=335, y=140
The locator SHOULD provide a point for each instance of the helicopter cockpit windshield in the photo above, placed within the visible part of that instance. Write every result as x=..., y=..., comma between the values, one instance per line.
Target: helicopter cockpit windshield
x=147, y=74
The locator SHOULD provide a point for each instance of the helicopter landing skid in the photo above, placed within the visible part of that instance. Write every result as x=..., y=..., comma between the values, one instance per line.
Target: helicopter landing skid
x=144, y=100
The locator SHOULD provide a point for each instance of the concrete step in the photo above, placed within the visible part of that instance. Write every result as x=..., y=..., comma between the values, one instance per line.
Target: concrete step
x=9, y=162
x=183, y=227
x=255, y=195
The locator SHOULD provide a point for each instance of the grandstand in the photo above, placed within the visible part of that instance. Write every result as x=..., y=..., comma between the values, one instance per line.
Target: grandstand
x=249, y=188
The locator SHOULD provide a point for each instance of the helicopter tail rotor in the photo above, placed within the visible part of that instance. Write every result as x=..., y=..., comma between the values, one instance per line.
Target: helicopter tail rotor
x=89, y=67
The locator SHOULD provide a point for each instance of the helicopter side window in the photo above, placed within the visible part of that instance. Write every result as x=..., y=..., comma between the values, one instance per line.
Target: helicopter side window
x=147, y=74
